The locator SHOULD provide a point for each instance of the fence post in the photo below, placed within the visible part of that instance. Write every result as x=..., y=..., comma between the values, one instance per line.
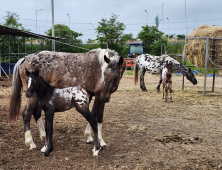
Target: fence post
x=205, y=72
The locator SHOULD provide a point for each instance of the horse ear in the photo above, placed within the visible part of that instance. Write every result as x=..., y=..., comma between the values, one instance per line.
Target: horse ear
x=121, y=61
x=37, y=72
x=27, y=72
x=107, y=60
x=189, y=70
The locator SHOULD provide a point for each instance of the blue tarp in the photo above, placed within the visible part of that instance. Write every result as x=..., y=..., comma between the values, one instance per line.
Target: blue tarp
x=5, y=67
x=211, y=75
x=194, y=72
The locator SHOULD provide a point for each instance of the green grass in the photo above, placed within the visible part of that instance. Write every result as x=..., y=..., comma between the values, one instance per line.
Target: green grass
x=130, y=72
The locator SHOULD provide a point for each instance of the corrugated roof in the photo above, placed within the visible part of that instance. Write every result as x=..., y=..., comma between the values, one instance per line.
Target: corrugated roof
x=16, y=32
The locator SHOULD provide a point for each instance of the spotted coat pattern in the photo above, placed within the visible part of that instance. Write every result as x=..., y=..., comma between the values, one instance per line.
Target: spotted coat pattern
x=155, y=65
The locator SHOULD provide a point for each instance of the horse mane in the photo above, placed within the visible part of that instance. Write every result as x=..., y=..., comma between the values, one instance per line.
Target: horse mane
x=111, y=54
x=46, y=83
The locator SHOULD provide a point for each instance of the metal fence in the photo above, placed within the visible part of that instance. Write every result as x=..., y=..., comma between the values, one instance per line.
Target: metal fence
x=205, y=52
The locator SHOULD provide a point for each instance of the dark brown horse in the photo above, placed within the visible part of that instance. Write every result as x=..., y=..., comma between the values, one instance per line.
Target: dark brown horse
x=88, y=70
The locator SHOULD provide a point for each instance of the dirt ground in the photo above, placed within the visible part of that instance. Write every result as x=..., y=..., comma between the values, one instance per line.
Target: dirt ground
x=140, y=129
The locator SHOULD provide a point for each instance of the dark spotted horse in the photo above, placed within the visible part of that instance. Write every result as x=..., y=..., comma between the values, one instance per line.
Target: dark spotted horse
x=53, y=100
x=89, y=71
x=155, y=65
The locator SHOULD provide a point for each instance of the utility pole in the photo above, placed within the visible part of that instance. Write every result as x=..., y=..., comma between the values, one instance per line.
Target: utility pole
x=53, y=33
x=185, y=20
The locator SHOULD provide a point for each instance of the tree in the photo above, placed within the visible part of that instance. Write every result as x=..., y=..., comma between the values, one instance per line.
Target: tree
x=127, y=37
x=12, y=22
x=181, y=36
x=111, y=32
x=152, y=39
x=90, y=41
x=67, y=36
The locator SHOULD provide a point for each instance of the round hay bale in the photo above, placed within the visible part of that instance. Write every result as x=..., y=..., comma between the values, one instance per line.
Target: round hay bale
x=195, y=49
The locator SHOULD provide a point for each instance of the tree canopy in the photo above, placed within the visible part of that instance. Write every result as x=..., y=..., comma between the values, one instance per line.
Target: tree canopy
x=152, y=39
x=111, y=32
x=12, y=22
x=66, y=34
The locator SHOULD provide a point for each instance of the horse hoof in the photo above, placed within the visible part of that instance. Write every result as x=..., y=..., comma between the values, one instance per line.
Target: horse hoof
x=102, y=143
x=46, y=154
x=171, y=100
x=32, y=146
x=95, y=152
x=89, y=139
x=44, y=149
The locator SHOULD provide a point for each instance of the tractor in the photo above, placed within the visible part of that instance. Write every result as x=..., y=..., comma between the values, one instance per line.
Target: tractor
x=134, y=51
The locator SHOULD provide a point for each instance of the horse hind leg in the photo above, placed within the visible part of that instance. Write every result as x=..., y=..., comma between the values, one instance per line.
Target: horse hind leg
x=171, y=93
x=142, y=83
x=38, y=119
x=166, y=91
x=160, y=81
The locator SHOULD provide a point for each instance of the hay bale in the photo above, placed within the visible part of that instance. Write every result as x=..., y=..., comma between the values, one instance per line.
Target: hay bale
x=195, y=50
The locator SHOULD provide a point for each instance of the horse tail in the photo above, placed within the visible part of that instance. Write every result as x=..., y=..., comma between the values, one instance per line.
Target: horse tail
x=15, y=98
x=135, y=77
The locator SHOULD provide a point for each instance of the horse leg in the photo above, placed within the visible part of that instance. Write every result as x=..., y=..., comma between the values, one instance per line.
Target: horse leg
x=97, y=111
x=38, y=119
x=142, y=84
x=166, y=91
x=163, y=90
x=84, y=110
x=49, y=130
x=87, y=132
x=171, y=92
x=160, y=81
x=27, y=114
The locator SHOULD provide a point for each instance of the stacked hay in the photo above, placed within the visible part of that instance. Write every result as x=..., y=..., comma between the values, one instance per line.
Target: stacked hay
x=195, y=50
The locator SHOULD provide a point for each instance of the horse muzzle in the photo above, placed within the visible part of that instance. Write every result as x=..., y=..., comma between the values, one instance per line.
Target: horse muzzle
x=105, y=99
x=194, y=82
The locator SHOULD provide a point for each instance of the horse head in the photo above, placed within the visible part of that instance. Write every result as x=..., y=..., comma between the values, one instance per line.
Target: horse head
x=32, y=82
x=190, y=76
x=112, y=75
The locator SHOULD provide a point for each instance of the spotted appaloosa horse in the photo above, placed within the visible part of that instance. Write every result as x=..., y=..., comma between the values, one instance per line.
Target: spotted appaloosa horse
x=87, y=70
x=167, y=80
x=53, y=100
x=155, y=64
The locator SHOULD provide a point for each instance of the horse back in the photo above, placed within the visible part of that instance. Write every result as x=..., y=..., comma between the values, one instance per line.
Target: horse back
x=64, y=69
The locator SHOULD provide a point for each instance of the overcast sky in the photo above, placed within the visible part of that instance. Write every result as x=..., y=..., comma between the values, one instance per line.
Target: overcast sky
x=131, y=13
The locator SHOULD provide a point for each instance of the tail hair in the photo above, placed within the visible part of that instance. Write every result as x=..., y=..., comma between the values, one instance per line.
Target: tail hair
x=15, y=98
x=135, y=77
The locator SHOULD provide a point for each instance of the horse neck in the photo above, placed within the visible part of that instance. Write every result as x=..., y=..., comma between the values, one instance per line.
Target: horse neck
x=44, y=89
x=180, y=68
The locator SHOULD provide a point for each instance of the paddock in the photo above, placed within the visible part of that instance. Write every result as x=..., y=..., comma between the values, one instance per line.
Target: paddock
x=140, y=129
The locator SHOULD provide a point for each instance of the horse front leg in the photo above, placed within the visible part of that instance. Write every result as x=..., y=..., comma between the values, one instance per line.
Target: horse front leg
x=160, y=81
x=49, y=130
x=92, y=122
x=38, y=119
x=27, y=114
x=97, y=111
x=142, y=84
